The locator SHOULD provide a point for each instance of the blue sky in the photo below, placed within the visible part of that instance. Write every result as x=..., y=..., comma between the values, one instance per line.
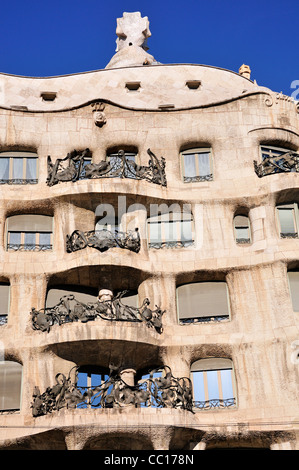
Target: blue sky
x=48, y=38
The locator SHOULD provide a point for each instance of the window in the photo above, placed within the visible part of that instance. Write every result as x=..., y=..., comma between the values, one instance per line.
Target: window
x=10, y=385
x=18, y=168
x=197, y=165
x=213, y=383
x=85, y=295
x=127, y=169
x=203, y=302
x=82, y=295
x=242, y=229
x=146, y=382
x=272, y=152
x=288, y=220
x=170, y=230
x=4, y=303
x=88, y=378
x=107, y=223
x=29, y=233
x=293, y=277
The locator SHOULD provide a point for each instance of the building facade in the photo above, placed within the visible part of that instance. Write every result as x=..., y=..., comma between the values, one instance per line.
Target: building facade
x=149, y=257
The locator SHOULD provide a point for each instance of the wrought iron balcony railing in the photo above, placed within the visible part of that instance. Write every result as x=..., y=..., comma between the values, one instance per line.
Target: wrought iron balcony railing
x=215, y=403
x=171, y=244
x=3, y=319
x=28, y=247
x=77, y=166
x=189, y=321
x=288, y=235
x=102, y=240
x=164, y=391
x=243, y=241
x=69, y=309
x=198, y=179
x=18, y=181
x=285, y=163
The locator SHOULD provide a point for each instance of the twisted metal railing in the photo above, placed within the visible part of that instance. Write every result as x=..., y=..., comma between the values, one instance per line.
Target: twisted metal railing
x=69, y=309
x=198, y=179
x=19, y=181
x=165, y=391
x=285, y=163
x=28, y=247
x=102, y=240
x=77, y=166
x=215, y=403
x=171, y=244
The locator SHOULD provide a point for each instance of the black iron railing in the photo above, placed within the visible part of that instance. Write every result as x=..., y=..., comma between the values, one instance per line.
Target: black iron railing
x=165, y=391
x=69, y=309
x=286, y=162
x=77, y=166
x=102, y=240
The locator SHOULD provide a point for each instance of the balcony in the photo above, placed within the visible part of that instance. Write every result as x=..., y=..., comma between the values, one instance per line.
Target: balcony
x=108, y=308
x=77, y=166
x=159, y=389
x=102, y=240
x=286, y=162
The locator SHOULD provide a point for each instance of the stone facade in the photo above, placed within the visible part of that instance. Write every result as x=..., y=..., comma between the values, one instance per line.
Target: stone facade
x=231, y=115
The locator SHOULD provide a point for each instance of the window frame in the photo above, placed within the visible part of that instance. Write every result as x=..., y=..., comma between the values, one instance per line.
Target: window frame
x=14, y=409
x=203, y=319
x=197, y=178
x=210, y=403
x=272, y=148
x=295, y=213
x=129, y=153
x=90, y=370
x=242, y=241
x=24, y=156
x=4, y=316
x=29, y=247
x=293, y=301
x=163, y=242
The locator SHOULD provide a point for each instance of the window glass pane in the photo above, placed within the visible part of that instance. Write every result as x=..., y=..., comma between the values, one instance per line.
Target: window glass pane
x=14, y=238
x=30, y=223
x=55, y=294
x=10, y=385
x=170, y=231
x=226, y=383
x=186, y=230
x=31, y=168
x=82, y=382
x=4, y=298
x=29, y=238
x=198, y=386
x=189, y=165
x=287, y=223
x=242, y=233
x=4, y=168
x=204, y=299
x=213, y=387
x=155, y=232
x=17, y=170
x=204, y=164
x=107, y=223
x=294, y=288
x=45, y=238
